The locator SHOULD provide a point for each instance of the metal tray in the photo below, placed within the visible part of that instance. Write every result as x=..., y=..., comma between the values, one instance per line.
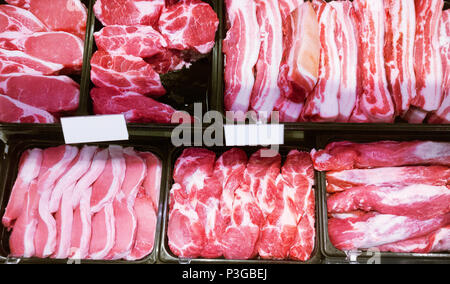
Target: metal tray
x=166, y=256
x=334, y=255
x=9, y=168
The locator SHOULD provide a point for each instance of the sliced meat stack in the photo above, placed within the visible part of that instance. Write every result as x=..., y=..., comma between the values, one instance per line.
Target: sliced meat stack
x=84, y=204
x=237, y=208
x=140, y=41
x=37, y=46
x=404, y=208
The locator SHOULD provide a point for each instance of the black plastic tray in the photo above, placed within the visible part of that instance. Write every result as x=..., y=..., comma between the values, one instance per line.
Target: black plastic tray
x=166, y=256
x=334, y=255
x=9, y=169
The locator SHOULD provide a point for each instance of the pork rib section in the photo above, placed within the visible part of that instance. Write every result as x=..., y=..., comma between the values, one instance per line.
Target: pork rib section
x=339, y=156
x=15, y=19
x=13, y=111
x=241, y=48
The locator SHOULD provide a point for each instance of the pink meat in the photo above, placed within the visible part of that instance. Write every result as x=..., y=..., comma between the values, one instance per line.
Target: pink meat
x=347, y=44
x=128, y=12
x=168, y=61
x=29, y=167
x=20, y=3
x=135, y=174
x=375, y=102
x=399, y=52
x=438, y=241
x=322, y=104
x=81, y=226
x=266, y=92
x=262, y=171
x=400, y=176
x=418, y=201
x=340, y=156
x=300, y=64
x=13, y=111
x=15, y=19
x=64, y=222
x=288, y=110
x=103, y=233
x=146, y=228
x=181, y=24
x=136, y=107
x=415, y=115
x=14, y=61
x=68, y=181
x=288, y=6
x=39, y=91
x=152, y=181
x=140, y=41
x=110, y=181
x=55, y=163
x=125, y=73
x=428, y=63
x=241, y=48
x=373, y=230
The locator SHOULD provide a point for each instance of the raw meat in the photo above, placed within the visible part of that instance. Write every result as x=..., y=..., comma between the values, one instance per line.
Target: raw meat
x=103, y=233
x=64, y=222
x=152, y=181
x=299, y=68
x=29, y=166
x=128, y=12
x=375, y=102
x=181, y=24
x=64, y=15
x=399, y=52
x=168, y=61
x=418, y=201
x=56, y=47
x=266, y=92
x=288, y=110
x=125, y=73
x=15, y=19
x=347, y=44
x=442, y=115
x=13, y=111
x=428, y=63
x=14, y=61
x=110, y=181
x=262, y=171
x=136, y=108
x=373, y=230
x=146, y=228
x=68, y=181
x=81, y=226
x=322, y=104
x=39, y=91
x=438, y=241
x=135, y=174
x=55, y=163
x=288, y=6
x=140, y=41
x=415, y=115
x=241, y=48
x=339, y=156
x=401, y=176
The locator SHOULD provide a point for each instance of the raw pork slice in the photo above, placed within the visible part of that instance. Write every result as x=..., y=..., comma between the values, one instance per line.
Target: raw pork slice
x=55, y=47
x=136, y=107
x=103, y=233
x=125, y=73
x=288, y=110
x=29, y=167
x=428, y=62
x=14, y=19
x=140, y=41
x=64, y=15
x=419, y=201
x=152, y=181
x=241, y=48
x=136, y=170
x=146, y=228
x=128, y=12
x=341, y=156
x=81, y=227
x=64, y=222
x=373, y=230
x=299, y=69
x=189, y=25
x=288, y=6
x=322, y=104
x=55, y=94
x=14, y=61
x=13, y=111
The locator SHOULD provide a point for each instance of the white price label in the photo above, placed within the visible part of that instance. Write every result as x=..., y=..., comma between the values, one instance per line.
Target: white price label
x=254, y=135
x=99, y=128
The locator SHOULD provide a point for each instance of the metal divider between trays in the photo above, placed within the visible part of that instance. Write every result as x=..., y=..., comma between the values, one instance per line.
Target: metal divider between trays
x=331, y=253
